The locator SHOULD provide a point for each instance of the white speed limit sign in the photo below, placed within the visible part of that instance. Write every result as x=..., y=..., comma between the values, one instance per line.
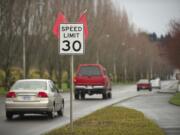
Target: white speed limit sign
x=71, y=39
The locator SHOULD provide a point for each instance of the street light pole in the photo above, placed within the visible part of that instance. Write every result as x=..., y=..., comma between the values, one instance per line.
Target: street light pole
x=114, y=68
x=97, y=52
x=24, y=58
x=97, y=56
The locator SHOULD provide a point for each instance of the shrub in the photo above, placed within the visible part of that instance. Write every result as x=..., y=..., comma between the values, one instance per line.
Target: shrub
x=2, y=76
x=64, y=76
x=45, y=75
x=15, y=74
x=34, y=74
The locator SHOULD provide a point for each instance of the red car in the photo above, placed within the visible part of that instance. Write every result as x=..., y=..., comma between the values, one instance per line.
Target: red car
x=144, y=84
x=92, y=79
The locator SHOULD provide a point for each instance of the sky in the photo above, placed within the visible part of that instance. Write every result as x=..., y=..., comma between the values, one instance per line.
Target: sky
x=151, y=15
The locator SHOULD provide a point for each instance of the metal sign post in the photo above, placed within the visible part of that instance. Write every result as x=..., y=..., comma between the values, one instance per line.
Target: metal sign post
x=71, y=43
x=71, y=93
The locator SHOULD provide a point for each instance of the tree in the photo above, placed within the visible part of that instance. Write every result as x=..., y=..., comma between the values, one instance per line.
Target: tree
x=113, y=41
x=172, y=44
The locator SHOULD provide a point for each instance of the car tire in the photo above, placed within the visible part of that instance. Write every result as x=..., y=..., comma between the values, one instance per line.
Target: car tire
x=138, y=89
x=51, y=114
x=104, y=95
x=109, y=95
x=21, y=115
x=150, y=89
x=76, y=96
x=9, y=115
x=82, y=96
x=61, y=111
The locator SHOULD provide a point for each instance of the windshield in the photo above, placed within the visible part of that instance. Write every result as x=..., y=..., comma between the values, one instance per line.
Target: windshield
x=89, y=71
x=29, y=85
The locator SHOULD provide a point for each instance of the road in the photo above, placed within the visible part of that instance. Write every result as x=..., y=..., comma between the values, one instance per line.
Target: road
x=156, y=107
x=38, y=124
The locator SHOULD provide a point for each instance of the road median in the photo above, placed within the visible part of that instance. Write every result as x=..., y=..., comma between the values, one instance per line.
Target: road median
x=112, y=120
x=175, y=100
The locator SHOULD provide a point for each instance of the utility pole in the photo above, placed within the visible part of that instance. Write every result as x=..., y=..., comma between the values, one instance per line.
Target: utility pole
x=24, y=58
x=114, y=68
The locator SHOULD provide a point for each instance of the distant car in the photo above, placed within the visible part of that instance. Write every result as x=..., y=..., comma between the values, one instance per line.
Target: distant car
x=144, y=84
x=156, y=83
x=34, y=96
x=92, y=79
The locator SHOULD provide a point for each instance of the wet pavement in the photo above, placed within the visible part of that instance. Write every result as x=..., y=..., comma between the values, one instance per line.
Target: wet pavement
x=156, y=106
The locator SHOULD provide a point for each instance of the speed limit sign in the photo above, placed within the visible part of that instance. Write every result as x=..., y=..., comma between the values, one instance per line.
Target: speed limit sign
x=71, y=39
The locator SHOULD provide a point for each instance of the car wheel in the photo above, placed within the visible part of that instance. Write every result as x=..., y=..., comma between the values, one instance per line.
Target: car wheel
x=9, y=115
x=21, y=115
x=76, y=96
x=109, y=95
x=82, y=96
x=61, y=111
x=51, y=114
x=104, y=95
x=138, y=89
x=150, y=89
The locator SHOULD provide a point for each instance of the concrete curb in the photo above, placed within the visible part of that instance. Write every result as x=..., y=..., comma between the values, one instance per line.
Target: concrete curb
x=126, y=99
x=167, y=92
x=173, y=104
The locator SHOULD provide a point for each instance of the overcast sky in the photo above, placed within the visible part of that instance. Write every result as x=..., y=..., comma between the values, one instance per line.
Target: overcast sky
x=151, y=15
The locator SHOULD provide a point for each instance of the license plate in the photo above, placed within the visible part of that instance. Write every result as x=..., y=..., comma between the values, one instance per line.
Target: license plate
x=89, y=87
x=26, y=98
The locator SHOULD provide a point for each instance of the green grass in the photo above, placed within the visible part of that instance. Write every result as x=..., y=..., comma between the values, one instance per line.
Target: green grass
x=112, y=121
x=3, y=91
x=64, y=87
x=175, y=99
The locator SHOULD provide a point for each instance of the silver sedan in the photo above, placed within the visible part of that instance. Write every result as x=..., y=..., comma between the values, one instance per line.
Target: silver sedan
x=34, y=96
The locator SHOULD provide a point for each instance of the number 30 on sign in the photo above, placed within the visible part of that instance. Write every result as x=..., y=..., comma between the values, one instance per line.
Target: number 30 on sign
x=71, y=39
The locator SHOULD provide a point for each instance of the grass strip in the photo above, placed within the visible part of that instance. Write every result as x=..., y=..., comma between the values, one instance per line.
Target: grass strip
x=3, y=91
x=175, y=99
x=112, y=121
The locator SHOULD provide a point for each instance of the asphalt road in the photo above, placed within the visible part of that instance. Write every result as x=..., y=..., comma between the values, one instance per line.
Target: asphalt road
x=156, y=107
x=38, y=124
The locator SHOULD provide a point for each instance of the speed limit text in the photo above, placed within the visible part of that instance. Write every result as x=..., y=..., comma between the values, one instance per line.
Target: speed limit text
x=71, y=32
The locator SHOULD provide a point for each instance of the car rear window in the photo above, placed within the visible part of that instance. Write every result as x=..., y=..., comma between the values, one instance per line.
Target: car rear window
x=30, y=85
x=89, y=71
x=144, y=81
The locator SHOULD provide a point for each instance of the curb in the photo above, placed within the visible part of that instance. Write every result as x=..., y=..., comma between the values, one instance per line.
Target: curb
x=126, y=99
x=167, y=92
x=173, y=104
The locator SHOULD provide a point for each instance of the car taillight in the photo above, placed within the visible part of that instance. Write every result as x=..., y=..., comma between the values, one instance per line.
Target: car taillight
x=103, y=80
x=11, y=94
x=75, y=80
x=42, y=94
